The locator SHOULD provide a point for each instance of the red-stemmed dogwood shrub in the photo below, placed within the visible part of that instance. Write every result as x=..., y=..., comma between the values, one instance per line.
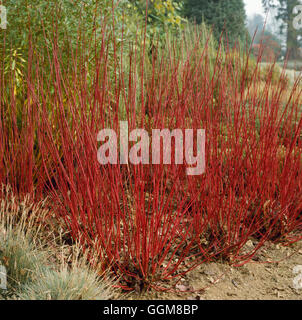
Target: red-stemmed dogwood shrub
x=151, y=223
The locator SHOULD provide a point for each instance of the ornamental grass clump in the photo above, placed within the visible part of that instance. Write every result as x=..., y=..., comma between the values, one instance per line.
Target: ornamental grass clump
x=75, y=282
x=21, y=251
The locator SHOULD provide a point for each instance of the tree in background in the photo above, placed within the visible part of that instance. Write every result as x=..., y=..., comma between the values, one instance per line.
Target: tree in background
x=264, y=39
x=255, y=23
x=268, y=45
x=285, y=14
x=228, y=16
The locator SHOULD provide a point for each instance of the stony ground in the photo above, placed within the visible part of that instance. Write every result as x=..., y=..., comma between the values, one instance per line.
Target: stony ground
x=269, y=276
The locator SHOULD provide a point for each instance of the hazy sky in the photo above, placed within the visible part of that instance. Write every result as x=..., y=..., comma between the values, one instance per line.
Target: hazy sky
x=253, y=6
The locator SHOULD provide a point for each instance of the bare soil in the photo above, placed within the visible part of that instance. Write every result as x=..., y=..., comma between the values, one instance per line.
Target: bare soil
x=268, y=276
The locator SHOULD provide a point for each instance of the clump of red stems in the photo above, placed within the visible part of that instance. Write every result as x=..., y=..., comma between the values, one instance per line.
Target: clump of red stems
x=153, y=222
